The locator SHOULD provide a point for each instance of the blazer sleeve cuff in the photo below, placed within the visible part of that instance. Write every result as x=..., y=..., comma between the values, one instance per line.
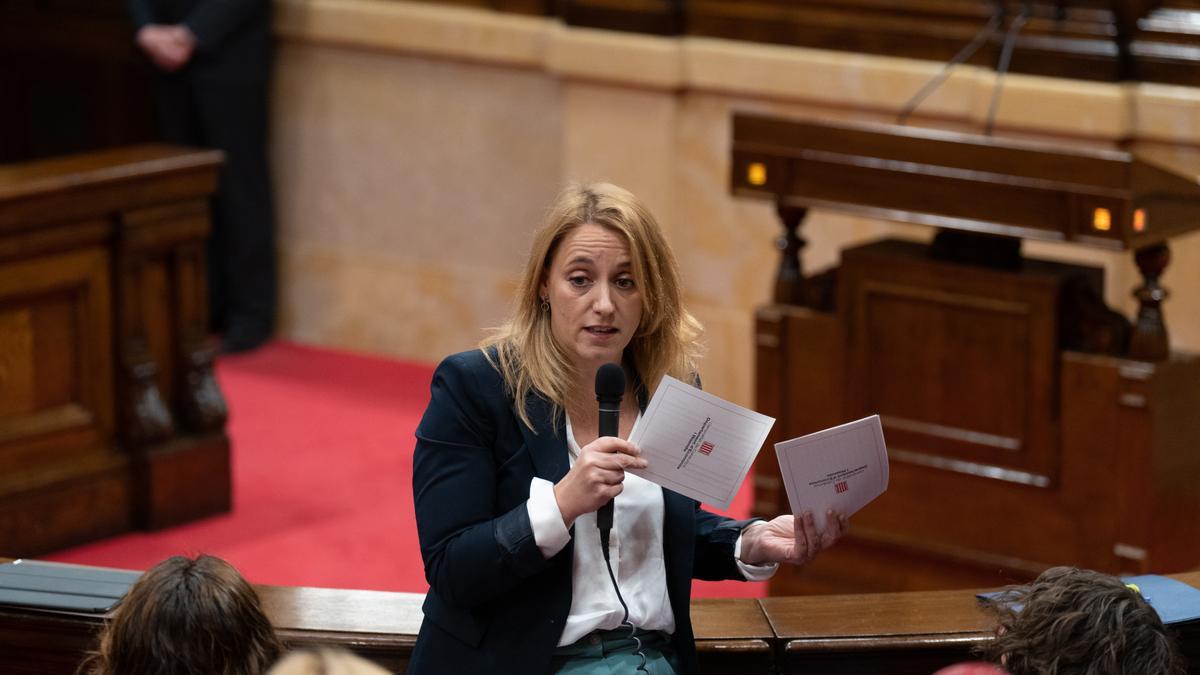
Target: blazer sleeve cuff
x=752, y=572
x=514, y=536
x=546, y=519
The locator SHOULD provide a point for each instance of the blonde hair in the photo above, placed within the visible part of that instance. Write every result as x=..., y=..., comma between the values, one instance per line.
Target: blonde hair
x=665, y=343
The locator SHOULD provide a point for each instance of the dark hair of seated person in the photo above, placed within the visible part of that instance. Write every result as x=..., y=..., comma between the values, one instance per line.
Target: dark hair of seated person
x=187, y=616
x=1071, y=621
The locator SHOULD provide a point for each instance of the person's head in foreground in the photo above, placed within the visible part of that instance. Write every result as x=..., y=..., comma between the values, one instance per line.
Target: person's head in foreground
x=1070, y=621
x=325, y=662
x=187, y=616
x=598, y=238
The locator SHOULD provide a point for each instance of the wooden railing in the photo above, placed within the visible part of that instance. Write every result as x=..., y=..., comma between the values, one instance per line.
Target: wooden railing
x=898, y=633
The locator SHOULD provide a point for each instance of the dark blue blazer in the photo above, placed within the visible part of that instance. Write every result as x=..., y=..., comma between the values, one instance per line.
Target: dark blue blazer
x=495, y=605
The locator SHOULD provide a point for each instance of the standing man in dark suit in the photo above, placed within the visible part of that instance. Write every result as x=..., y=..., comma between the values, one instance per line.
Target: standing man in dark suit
x=212, y=61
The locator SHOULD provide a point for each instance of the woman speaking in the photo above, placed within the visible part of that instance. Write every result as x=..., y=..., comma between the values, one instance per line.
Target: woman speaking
x=510, y=469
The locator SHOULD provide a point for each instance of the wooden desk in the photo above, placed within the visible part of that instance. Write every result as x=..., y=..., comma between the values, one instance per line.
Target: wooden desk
x=733, y=636
x=866, y=633
x=897, y=633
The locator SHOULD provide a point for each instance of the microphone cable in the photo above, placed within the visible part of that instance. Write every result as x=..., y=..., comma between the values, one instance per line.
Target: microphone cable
x=637, y=650
x=610, y=388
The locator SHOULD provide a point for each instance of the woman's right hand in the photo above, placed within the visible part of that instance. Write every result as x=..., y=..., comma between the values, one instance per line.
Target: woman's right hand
x=597, y=476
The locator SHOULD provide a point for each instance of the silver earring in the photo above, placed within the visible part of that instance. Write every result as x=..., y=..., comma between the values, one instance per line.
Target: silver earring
x=545, y=305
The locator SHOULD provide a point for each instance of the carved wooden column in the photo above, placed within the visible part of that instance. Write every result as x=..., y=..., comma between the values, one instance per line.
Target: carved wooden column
x=201, y=404
x=168, y=241
x=789, y=283
x=1149, y=341
x=144, y=414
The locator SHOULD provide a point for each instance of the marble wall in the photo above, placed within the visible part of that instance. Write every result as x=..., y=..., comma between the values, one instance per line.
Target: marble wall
x=415, y=148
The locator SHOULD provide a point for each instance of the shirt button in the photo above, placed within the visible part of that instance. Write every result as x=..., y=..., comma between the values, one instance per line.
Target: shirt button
x=595, y=639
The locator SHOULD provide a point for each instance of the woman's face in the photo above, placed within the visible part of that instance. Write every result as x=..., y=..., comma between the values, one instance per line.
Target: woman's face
x=595, y=302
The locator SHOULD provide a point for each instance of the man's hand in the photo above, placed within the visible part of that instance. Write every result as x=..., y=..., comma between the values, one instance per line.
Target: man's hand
x=169, y=47
x=789, y=539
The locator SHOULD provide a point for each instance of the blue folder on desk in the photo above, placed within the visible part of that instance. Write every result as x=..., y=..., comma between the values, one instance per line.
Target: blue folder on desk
x=62, y=587
x=1175, y=601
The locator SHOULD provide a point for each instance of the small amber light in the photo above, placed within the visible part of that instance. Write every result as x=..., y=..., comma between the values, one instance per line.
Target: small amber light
x=1139, y=220
x=756, y=173
x=1102, y=220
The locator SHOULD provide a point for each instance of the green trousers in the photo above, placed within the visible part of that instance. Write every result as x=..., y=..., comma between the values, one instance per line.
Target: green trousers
x=613, y=652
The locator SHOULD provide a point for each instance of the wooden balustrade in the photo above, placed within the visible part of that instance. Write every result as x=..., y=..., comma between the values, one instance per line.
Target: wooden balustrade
x=902, y=633
x=1148, y=40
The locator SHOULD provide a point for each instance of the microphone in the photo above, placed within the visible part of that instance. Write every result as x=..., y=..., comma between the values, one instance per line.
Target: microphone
x=610, y=387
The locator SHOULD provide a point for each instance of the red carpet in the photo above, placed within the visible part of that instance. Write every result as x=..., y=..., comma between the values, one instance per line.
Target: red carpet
x=322, y=477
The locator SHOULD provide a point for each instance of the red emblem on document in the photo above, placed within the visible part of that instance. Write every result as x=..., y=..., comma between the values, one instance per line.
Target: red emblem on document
x=706, y=448
x=841, y=487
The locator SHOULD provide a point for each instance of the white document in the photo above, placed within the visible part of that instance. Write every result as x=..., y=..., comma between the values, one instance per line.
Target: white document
x=697, y=444
x=841, y=468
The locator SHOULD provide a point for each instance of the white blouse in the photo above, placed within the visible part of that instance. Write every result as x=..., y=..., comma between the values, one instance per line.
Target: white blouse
x=639, y=568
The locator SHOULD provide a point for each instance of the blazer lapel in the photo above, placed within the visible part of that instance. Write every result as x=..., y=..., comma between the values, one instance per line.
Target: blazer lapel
x=545, y=441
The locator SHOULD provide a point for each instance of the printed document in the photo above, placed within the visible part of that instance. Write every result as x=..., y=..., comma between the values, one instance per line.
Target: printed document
x=841, y=468
x=698, y=444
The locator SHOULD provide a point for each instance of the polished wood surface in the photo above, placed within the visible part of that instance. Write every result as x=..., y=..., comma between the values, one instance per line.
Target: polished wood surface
x=984, y=341
x=889, y=633
x=110, y=417
x=863, y=633
x=963, y=182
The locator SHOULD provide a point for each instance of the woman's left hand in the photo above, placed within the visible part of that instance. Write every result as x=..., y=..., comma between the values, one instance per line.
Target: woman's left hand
x=790, y=539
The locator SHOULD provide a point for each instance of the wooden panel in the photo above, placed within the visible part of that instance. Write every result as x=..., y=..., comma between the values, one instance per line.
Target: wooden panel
x=56, y=361
x=960, y=362
x=44, y=644
x=17, y=394
x=59, y=308
x=1126, y=501
x=1175, y=463
x=185, y=479
x=1007, y=455
x=800, y=378
x=769, y=361
x=959, y=346
x=87, y=445
x=86, y=500
x=871, y=563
